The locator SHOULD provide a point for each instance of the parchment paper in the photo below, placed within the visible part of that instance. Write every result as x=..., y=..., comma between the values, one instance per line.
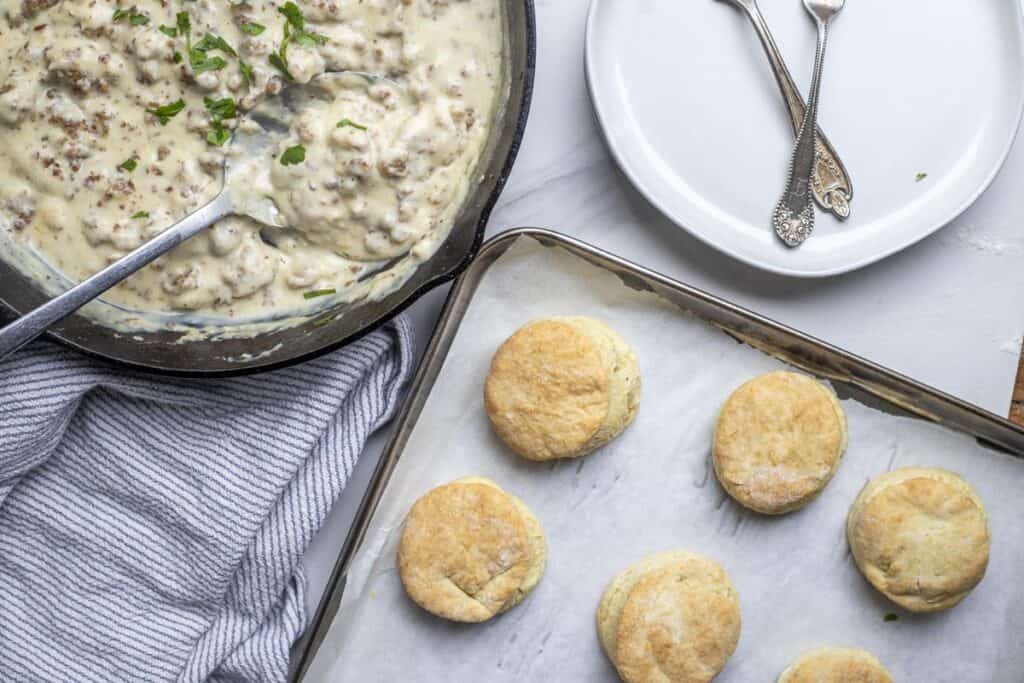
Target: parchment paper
x=653, y=490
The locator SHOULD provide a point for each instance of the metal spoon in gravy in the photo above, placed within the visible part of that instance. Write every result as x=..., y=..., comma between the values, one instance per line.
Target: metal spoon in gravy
x=255, y=143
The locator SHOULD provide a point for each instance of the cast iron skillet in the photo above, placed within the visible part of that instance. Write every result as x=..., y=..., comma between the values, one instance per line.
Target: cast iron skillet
x=162, y=352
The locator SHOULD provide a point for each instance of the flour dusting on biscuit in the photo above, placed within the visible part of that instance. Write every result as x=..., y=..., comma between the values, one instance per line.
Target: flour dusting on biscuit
x=670, y=618
x=778, y=441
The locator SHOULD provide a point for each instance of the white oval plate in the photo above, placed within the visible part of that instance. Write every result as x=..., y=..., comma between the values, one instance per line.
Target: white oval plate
x=692, y=114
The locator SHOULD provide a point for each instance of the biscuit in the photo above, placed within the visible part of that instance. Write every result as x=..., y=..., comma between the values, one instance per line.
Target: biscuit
x=561, y=388
x=920, y=536
x=670, y=618
x=470, y=551
x=836, y=665
x=535, y=535
x=778, y=440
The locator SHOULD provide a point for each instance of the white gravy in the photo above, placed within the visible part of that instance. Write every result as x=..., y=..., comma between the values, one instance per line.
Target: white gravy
x=97, y=156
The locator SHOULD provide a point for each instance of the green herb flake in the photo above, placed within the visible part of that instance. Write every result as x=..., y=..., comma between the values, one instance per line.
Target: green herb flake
x=294, y=30
x=128, y=165
x=891, y=617
x=293, y=155
x=920, y=176
x=350, y=124
x=184, y=26
x=309, y=39
x=293, y=14
x=134, y=17
x=217, y=135
x=223, y=108
x=318, y=292
x=168, y=31
x=200, y=62
x=177, y=57
x=280, y=63
x=246, y=71
x=140, y=214
x=166, y=112
x=211, y=41
x=253, y=29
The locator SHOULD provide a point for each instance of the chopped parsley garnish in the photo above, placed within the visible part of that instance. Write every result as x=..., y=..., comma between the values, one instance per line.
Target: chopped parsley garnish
x=293, y=14
x=184, y=26
x=280, y=63
x=252, y=28
x=891, y=617
x=211, y=41
x=200, y=62
x=318, y=292
x=309, y=39
x=140, y=214
x=351, y=124
x=294, y=30
x=177, y=57
x=920, y=176
x=246, y=71
x=217, y=135
x=134, y=17
x=293, y=155
x=221, y=109
x=168, y=31
x=128, y=165
x=166, y=112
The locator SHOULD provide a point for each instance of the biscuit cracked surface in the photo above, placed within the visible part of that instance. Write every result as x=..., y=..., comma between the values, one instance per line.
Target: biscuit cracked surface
x=470, y=551
x=920, y=536
x=670, y=618
x=778, y=441
x=561, y=388
x=836, y=665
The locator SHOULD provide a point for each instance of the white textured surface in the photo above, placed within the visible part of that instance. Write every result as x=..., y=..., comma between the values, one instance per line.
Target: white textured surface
x=941, y=312
x=653, y=490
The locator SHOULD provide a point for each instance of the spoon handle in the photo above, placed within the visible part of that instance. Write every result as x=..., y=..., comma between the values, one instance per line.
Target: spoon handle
x=29, y=326
x=793, y=218
x=831, y=182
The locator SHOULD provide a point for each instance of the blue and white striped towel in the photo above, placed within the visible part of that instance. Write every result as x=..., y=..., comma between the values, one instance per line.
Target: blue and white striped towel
x=151, y=529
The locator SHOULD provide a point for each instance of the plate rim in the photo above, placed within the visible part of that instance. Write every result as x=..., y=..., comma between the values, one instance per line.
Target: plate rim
x=895, y=247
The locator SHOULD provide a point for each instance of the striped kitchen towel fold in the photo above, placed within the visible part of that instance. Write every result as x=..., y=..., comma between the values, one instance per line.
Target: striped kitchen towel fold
x=151, y=529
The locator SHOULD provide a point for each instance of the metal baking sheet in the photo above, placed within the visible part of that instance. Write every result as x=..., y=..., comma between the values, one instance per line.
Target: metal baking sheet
x=653, y=490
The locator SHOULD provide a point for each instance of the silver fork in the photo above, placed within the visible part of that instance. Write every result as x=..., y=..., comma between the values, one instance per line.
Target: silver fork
x=793, y=218
x=831, y=184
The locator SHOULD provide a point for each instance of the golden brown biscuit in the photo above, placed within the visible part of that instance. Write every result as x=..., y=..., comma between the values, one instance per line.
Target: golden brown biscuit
x=538, y=543
x=470, y=551
x=561, y=388
x=920, y=536
x=671, y=618
x=778, y=441
x=836, y=665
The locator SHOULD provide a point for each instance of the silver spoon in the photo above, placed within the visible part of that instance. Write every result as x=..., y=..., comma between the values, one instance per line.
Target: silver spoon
x=832, y=187
x=793, y=218
x=235, y=198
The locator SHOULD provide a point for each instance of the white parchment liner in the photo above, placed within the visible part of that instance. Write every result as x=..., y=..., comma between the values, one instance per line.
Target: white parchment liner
x=652, y=490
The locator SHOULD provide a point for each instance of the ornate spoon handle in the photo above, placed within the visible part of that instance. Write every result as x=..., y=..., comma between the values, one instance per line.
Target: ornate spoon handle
x=830, y=182
x=793, y=218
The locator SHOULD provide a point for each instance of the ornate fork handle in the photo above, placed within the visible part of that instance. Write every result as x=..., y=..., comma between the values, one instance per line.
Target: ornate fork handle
x=830, y=183
x=793, y=218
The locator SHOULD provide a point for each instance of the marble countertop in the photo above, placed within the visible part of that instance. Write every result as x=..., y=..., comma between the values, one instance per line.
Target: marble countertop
x=948, y=311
